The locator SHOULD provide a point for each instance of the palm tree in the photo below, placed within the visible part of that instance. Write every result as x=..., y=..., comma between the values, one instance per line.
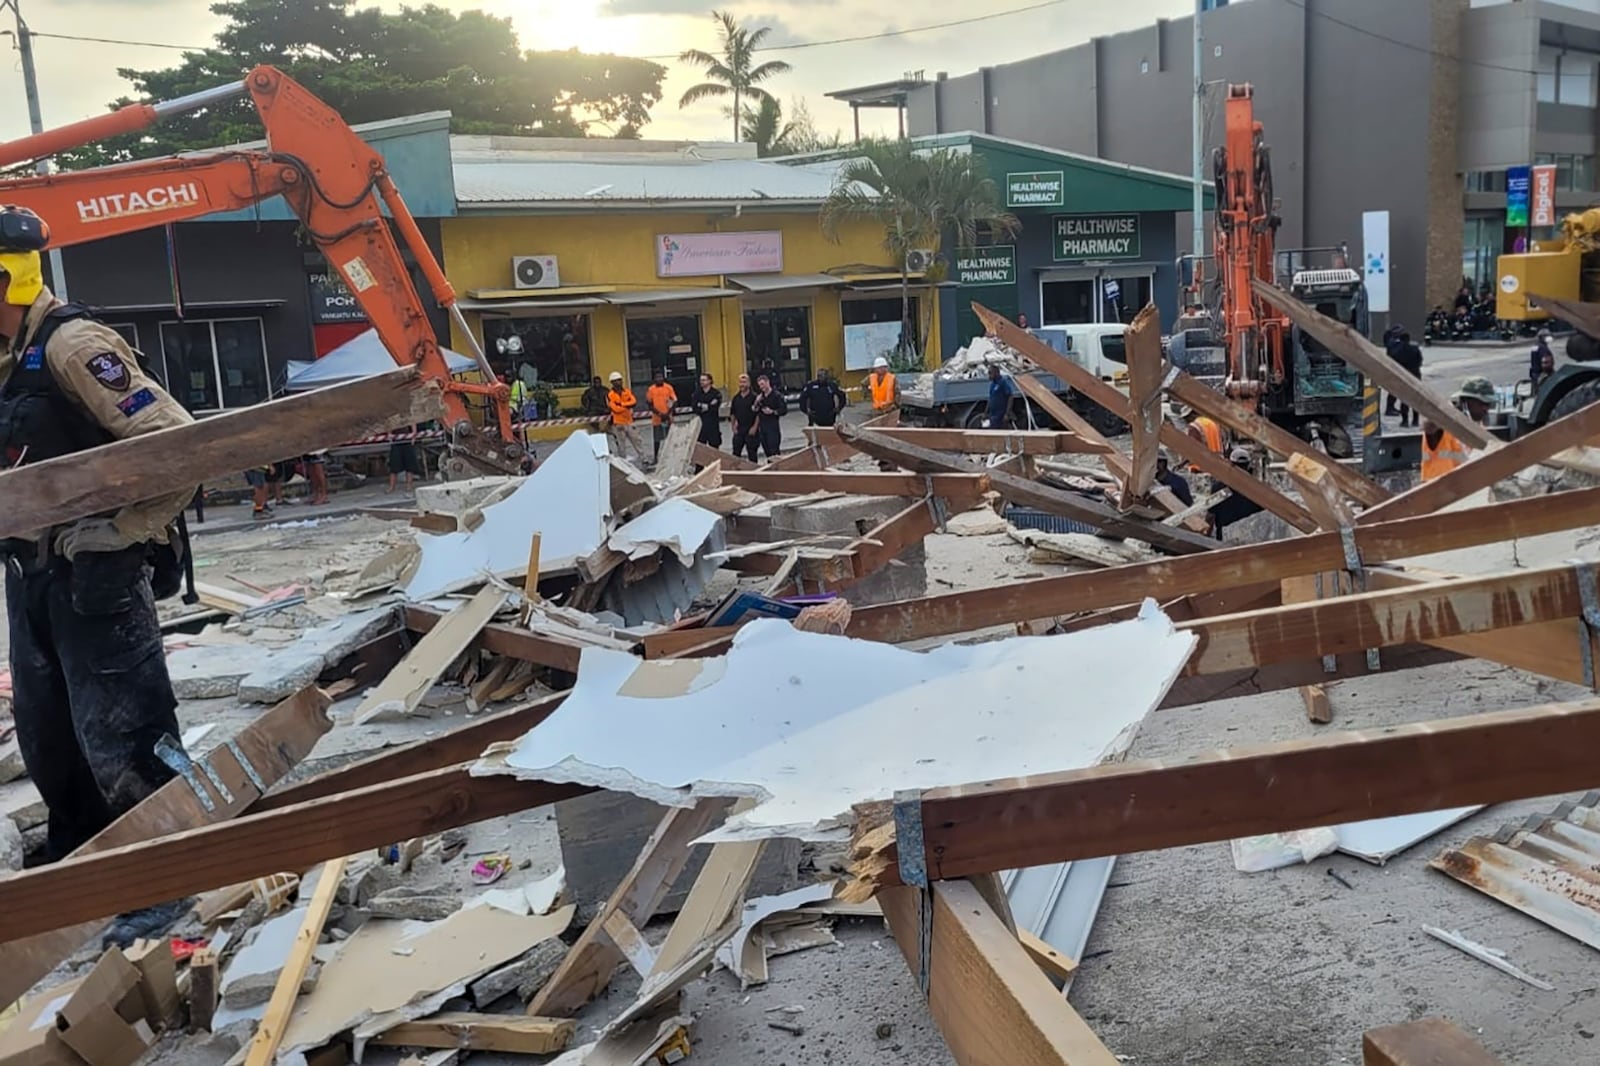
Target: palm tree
x=732, y=72
x=919, y=197
x=766, y=129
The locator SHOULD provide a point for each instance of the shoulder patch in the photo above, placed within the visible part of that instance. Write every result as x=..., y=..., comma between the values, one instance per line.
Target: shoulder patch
x=33, y=357
x=132, y=405
x=109, y=370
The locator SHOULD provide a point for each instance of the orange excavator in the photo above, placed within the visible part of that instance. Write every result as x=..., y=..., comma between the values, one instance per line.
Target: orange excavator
x=336, y=184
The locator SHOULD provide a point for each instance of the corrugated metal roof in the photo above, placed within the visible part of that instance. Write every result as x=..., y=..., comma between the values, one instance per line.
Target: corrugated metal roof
x=507, y=182
x=1545, y=868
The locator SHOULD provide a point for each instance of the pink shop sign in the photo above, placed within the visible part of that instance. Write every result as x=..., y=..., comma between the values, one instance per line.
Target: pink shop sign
x=695, y=254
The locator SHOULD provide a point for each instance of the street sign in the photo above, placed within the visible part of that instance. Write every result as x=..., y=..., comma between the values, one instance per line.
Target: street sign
x=1375, y=258
x=1113, y=290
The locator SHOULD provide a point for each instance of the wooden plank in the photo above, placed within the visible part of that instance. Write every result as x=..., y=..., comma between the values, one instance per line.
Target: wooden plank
x=672, y=642
x=587, y=969
x=1145, y=366
x=1486, y=468
x=1258, y=427
x=1318, y=710
x=501, y=639
x=1361, y=354
x=273, y=744
x=1231, y=684
x=884, y=542
x=205, y=985
x=705, y=455
x=1425, y=1042
x=1320, y=492
x=530, y=581
x=677, y=451
x=1173, y=438
x=640, y=955
x=1146, y=804
x=964, y=484
x=968, y=441
x=990, y=1001
x=429, y=522
x=275, y=1021
x=1055, y=965
x=960, y=612
x=513, y=1033
x=1379, y=619
x=57, y=491
x=401, y=691
x=291, y=838
x=708, y=479
x=1032, y=493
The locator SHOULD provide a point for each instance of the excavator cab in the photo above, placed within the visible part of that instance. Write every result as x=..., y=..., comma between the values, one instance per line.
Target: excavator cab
x=1324, y=383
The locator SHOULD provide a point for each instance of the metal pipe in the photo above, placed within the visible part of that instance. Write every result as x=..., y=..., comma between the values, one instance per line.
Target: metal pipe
x=472, y=342
x=195, y=101
x=30, y=87
x=1199, y=207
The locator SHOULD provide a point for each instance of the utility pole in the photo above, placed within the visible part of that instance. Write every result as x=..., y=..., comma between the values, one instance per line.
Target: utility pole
x=1199, y=208
x=30, y=85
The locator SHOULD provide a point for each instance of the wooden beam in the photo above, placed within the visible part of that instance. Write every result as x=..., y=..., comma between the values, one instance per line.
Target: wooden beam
x=1173, y=438
x=1145, y=366
x=290, y=838
x=57, y=491
x=1486, y=468
x=514, y=1033
x=1055, y=965
x=273, y=744
x=990, y=1001
x=1320, y=492
x=877, y=547
x=966, y=484
x=1232, y=684
x=205, y=987
x=705, y=455
x=1147, y=804
x=961, y=612
x=275, y=1021
x=1361, y=354
x=1032, y=493
x=1258, y=427
x=403, y=688
x=1425, y=1042
x=967, y=441
x=1380, y=619
x=509, y=640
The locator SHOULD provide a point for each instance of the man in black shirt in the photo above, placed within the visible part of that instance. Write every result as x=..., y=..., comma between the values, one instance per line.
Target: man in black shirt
x=770, y=407
x=1408, y=356
x=594, y=400
x=742, y=413
x=1174, y=481
x=822, y=400
x=707, y=404
x=1237, y=506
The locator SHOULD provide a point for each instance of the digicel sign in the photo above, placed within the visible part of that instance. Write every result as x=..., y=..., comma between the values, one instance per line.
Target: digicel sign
x=1542, y=211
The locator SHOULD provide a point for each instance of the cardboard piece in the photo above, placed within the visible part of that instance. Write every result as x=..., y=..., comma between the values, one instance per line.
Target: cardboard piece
x=97, y=1020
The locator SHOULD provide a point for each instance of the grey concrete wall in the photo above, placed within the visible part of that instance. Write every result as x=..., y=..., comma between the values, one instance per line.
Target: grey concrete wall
x=1496, y=116
x=1050, y=99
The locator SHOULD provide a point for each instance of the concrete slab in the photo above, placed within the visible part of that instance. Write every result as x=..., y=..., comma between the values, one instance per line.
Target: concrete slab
x=285, y=671
x=456, y=498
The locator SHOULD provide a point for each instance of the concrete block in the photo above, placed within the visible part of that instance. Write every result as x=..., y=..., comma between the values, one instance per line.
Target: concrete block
x=412, y=902
x=529, y=972
x=456, y=498
x=286, y=671
x=209, y=672
x=906, y=577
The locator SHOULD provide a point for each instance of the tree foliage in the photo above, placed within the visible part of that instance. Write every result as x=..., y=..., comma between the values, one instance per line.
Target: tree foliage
x=371, y=64
x=735, y=72
x=766, y=128
x=920, y=197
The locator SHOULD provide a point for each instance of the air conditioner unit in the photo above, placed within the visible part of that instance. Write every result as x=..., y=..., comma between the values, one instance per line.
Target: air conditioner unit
x=535, y=272
x=918, y=260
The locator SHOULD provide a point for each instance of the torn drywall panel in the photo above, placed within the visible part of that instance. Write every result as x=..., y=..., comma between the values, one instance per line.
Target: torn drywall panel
x=566, y=501
x=674, y=524
x=812, y=724
x=757, y=911
x=1378, y=840
x=369, y=977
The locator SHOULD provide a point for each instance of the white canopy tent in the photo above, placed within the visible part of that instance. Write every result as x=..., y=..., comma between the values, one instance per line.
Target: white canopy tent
x=362, y=356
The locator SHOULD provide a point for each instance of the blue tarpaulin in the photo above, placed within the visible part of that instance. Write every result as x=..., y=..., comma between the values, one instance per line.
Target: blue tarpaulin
x=360, y=357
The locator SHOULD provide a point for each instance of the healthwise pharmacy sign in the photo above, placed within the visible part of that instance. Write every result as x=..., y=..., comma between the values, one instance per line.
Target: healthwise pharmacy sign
x=1078, y=238
x=995, y=264
x=1038, y=189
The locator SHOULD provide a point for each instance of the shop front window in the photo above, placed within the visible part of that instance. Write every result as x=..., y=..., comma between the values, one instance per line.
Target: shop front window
x=1068, y=303
x=670, y=343
x=1123, y=297
x=777, y=341
x=883, y=309
x=215, y=365
x=548, y=350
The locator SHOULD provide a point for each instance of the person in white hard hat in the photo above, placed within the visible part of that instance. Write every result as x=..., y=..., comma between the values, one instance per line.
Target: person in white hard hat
x=882, y=386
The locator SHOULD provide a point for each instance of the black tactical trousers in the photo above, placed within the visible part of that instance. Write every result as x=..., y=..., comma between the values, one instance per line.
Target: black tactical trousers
x=91, y=695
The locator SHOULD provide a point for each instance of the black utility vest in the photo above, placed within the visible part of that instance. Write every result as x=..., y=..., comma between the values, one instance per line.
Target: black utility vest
x=37, y=420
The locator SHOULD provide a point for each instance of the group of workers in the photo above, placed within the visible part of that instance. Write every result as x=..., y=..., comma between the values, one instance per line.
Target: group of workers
x=755, y=411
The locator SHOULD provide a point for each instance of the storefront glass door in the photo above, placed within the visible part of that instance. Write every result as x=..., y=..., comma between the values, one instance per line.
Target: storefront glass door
x=1122, y=297
x=671, y=343
x=777, y=340
x=1067, y=302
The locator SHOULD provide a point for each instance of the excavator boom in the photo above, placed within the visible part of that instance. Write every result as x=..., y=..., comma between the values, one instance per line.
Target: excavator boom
x=335, y=183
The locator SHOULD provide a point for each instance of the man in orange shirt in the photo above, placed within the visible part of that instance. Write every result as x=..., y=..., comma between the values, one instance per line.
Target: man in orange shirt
x=662, y=398
x=621, y=402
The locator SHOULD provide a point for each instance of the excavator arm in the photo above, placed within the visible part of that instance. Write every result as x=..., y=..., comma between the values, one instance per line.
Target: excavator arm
x=335, y=183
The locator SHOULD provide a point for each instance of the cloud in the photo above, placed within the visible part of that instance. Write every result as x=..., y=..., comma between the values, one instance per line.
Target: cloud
x=652, y=7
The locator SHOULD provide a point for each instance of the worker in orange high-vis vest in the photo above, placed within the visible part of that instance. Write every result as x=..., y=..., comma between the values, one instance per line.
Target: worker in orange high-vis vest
x=621, y=402
x=1443, y=451
x=1205, y=430
x=880, y=383
x=662, y=398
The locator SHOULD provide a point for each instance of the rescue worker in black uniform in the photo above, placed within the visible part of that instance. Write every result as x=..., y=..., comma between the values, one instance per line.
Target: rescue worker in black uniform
x=91, y=695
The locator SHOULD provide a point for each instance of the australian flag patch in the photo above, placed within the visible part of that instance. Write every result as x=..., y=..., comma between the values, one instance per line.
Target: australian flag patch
x=33, y=357
x=138, y=401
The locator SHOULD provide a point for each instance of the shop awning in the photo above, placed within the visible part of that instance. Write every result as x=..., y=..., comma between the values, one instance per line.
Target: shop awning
x=557, y=293
x=646, y=297
x=782, y=282
x=856, y=280
x=492, y=306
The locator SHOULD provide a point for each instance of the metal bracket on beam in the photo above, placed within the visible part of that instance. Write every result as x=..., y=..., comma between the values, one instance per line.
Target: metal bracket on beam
x=1330, y=663
x=249, y=770
x=169, y=751
x=1169, y=377
x=911, y=850
x=936, y=506
x=1358, y=575
x=1588, y=620
x=215, y=779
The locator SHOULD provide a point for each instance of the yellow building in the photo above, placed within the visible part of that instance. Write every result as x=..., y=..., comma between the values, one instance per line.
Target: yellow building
x=578, y=259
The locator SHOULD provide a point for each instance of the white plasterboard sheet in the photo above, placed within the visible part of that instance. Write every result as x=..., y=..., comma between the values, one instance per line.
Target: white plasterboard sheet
x=566, y=501
x=759, y=910
x=675, y=524
x=812, y=724
x=366, y=978
x=1378, y=840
